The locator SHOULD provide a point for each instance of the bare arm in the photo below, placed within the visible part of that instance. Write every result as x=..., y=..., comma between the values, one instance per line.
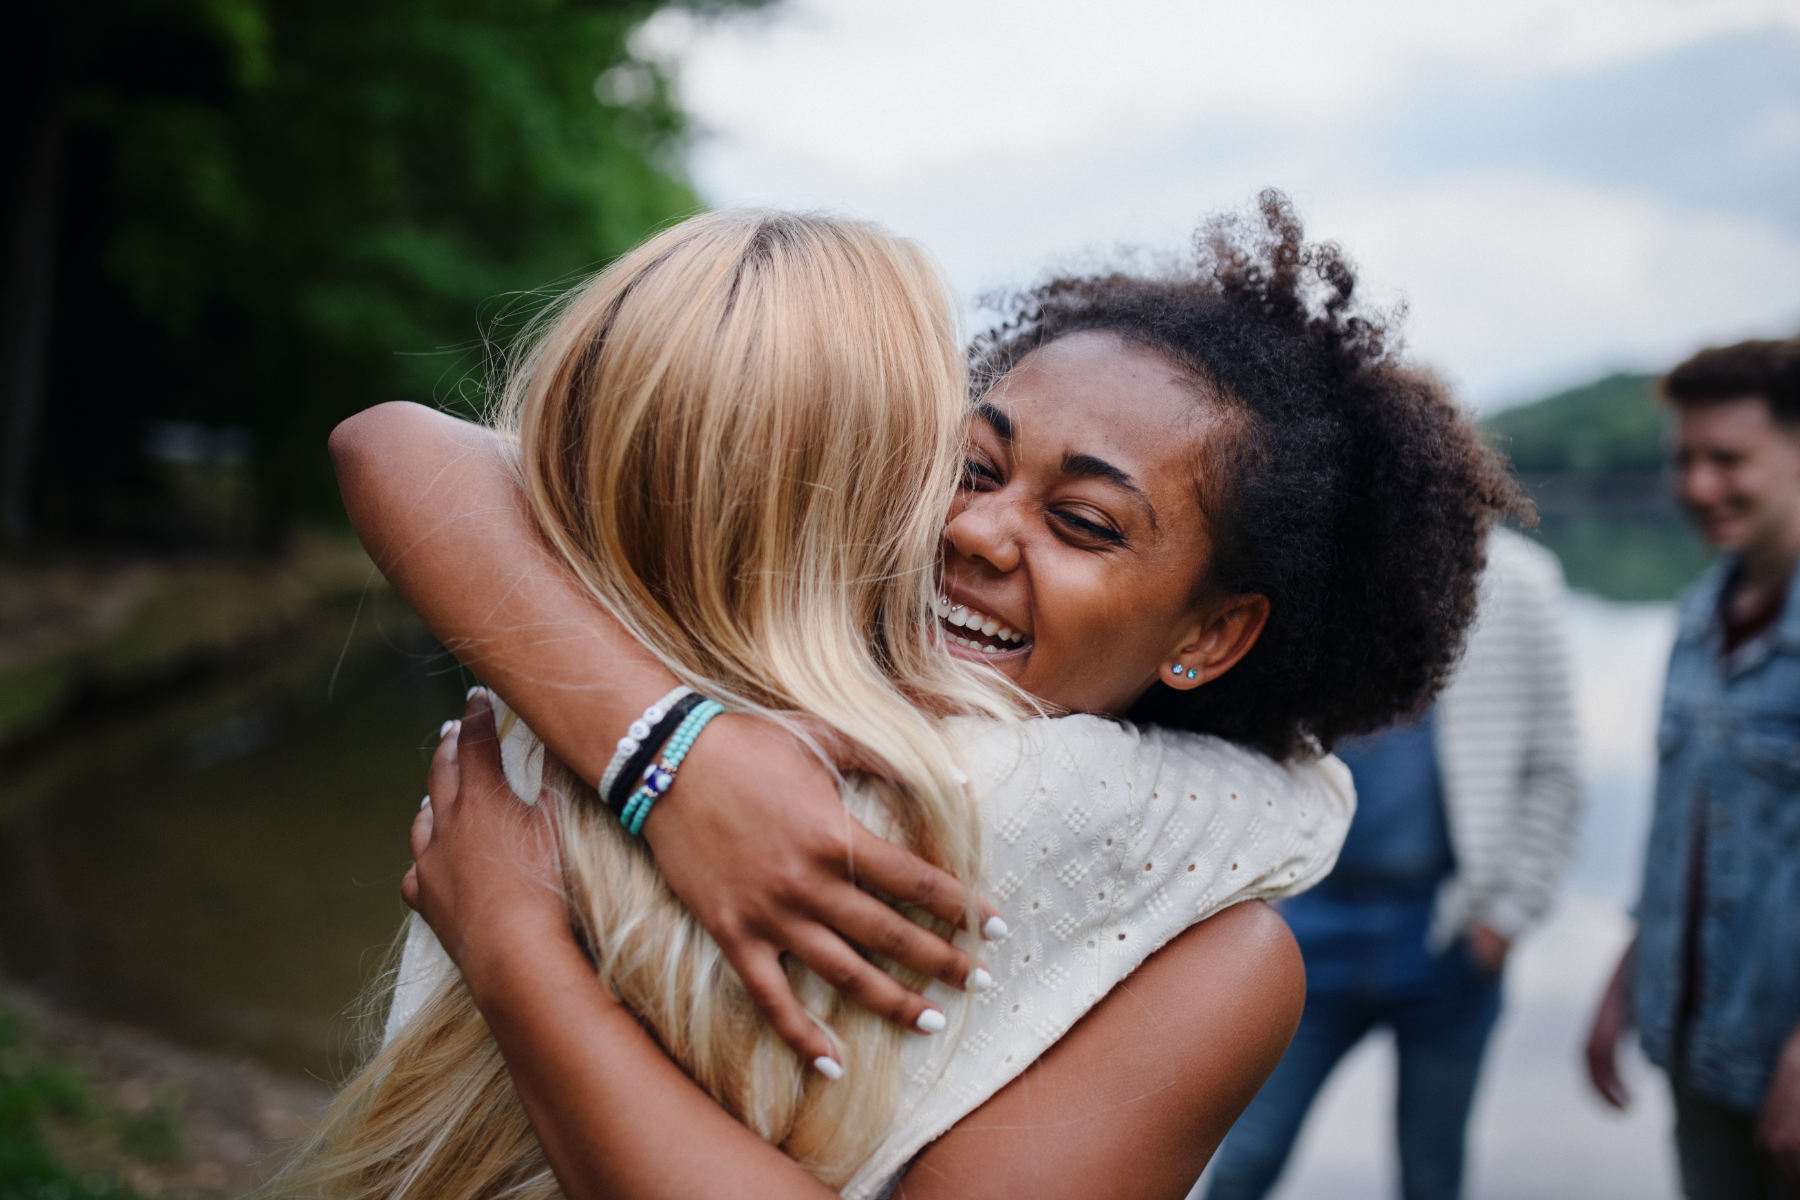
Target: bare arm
x=1131, y=1103
x=763, y=858
x=1135, y=1099
x=1610, y=1023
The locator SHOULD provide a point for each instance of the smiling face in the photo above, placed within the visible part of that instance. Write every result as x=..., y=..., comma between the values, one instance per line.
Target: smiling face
x=1078, y=530
x=1737, y=472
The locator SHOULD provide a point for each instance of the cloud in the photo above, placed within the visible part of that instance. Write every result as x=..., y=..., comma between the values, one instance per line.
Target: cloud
x=1556, y=190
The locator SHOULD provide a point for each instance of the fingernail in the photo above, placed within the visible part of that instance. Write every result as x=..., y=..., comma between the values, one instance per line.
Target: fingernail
x=425, y=803
x=828, y=1067
x=994, y=930
x=979, y=980
x=470, y=695
x=444, y=729
x=931, y=1021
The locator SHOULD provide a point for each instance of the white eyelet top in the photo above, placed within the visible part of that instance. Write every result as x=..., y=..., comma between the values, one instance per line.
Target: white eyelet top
x=1101, y=842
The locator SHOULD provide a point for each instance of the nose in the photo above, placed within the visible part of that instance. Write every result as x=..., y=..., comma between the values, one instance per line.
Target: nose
x=984, y=531
x=1696, y=482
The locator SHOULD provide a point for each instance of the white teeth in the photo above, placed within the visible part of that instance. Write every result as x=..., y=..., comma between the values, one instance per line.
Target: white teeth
x=990, y=650
x=957, y=618
x=1006, y=635
x=940, y=606
x=990, y=626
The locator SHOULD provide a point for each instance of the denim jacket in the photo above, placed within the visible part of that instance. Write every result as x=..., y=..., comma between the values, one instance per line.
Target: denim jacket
x=1729, y=747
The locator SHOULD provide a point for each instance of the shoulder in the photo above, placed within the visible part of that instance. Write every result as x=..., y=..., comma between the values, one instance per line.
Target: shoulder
x=1230, y=821
x=1699, y=600
x=1097, y=751
x=1086, y=743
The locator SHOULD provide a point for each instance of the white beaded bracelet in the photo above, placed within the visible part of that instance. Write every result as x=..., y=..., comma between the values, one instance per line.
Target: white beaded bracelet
x=635, y=734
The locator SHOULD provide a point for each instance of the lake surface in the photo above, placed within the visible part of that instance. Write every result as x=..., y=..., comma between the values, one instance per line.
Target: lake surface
x=224, y=866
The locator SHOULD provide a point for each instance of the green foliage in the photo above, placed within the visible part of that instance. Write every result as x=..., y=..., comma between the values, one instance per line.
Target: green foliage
x=1613, y=426
x=281, y=211
x=154, y=1135
x=32, y=1094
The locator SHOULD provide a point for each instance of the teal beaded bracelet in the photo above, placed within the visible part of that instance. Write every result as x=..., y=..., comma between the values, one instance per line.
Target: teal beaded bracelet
x=658, y=777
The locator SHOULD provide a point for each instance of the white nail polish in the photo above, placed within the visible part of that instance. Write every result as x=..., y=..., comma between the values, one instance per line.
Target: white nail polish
x=444, y=729
x=470, y=694
x=979, y=980
x=425, y=803
x=994, y=930
x=828, y=1067
x=931, y=1021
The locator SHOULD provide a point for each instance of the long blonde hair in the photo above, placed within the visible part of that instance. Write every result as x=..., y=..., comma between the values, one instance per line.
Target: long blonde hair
x=742, y=437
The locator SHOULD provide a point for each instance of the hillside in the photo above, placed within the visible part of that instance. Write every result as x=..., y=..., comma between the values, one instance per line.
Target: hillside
x=1611, y=427
x=1591, y=459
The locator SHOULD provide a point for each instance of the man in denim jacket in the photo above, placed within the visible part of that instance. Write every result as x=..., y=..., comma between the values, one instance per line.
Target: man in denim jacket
x=1713, y=978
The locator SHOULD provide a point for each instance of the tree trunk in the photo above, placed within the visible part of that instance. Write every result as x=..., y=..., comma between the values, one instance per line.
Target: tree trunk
x=29, y=298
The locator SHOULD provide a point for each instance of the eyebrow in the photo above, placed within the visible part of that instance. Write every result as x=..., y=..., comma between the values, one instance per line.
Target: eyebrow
x=1002, y=423
x=1086, y=466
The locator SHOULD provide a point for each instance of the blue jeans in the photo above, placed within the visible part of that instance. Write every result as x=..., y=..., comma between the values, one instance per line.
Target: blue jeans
x=1441, y=1010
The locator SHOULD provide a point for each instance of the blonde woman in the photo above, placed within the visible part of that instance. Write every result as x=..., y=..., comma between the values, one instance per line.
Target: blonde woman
x=1211, y=634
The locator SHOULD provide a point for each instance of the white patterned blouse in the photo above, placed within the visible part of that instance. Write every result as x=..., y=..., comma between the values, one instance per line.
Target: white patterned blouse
x=1101, y=842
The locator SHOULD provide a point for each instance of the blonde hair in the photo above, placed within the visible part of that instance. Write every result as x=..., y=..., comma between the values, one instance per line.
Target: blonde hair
x=742, y=437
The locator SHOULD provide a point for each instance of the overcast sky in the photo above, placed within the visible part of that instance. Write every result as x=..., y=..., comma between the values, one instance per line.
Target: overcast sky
x=1556, y=189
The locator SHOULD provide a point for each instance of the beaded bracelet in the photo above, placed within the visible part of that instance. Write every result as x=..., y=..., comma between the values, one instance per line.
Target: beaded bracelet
x=658, y=778
x=637, y=734
x=645, y=754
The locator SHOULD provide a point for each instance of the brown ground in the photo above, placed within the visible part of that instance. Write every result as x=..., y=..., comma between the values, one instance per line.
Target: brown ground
x=168, y=1121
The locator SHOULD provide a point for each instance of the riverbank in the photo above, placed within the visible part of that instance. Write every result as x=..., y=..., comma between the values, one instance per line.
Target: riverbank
x=161, y=1119
x=83, y=631
x=206, y=772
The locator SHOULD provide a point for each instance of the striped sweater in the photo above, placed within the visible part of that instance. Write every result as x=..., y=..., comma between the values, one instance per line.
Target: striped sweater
x=1507, y=744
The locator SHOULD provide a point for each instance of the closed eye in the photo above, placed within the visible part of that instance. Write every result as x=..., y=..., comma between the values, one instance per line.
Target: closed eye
x=978, y=476
x=1089, y=529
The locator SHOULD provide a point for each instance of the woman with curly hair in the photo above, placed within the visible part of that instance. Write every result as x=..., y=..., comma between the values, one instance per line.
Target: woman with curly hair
x=1211, y=502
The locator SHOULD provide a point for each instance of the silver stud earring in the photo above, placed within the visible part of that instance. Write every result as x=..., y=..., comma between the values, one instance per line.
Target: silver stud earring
x=1194, y=674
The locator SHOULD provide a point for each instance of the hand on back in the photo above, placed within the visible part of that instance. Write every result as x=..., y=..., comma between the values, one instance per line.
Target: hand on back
x=486, y=875
x=755, y=840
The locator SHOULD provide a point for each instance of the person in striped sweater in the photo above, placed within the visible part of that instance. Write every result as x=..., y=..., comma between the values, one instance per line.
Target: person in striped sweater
x=1466, y=819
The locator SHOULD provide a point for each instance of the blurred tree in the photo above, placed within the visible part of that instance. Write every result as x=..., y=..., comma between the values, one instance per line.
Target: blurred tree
x=267, y=214
x=1612, y=426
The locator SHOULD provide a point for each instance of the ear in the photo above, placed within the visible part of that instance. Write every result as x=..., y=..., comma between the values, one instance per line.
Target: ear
x=1223, y=632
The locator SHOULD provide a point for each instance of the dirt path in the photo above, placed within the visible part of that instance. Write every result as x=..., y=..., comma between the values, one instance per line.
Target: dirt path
x=168, y=1121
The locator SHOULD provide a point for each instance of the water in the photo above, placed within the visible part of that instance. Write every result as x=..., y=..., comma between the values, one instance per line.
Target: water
x=223, y=866
x=1624, y=554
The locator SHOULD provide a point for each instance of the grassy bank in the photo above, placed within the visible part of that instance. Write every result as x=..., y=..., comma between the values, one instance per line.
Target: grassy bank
x=88, y=632
x=96, y=1111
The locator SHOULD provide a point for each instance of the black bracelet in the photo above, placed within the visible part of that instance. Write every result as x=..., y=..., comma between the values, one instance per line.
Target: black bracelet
x=632, y=773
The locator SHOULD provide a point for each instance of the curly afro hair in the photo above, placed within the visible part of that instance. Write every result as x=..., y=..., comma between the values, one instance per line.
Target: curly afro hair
x=1347, y=488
